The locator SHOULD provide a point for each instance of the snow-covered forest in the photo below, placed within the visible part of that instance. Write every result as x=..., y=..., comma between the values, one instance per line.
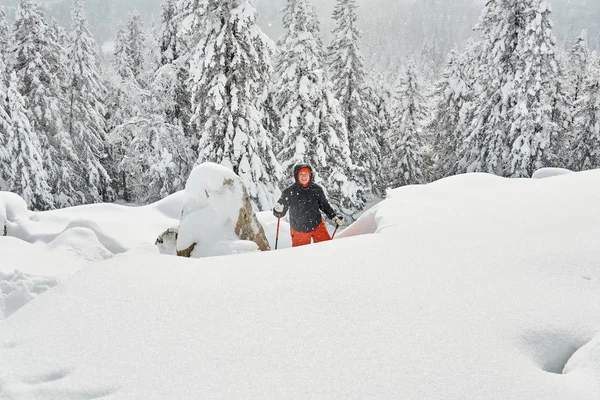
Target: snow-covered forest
x=205, y=83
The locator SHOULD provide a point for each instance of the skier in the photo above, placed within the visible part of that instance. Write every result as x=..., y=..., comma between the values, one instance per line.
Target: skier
x=305, y=200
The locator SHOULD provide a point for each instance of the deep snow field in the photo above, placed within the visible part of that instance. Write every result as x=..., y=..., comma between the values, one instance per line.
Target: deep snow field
x=472, y=287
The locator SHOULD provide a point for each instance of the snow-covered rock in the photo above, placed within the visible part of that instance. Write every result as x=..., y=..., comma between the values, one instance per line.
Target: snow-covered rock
x=167, y=242
x=12, y=207
x=550, y=172
x=217, y=216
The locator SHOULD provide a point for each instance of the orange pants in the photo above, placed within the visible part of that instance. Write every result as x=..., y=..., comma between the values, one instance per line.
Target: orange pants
x=320, y=234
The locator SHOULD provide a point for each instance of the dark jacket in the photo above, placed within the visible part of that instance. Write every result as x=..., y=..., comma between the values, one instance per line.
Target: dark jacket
x=305, y=204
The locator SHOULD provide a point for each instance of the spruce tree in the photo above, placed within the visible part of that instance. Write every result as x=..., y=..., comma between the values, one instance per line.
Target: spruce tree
x=406, y=163
x=536, y=134
x=5, y=130
x=171, y=79
x=352, y=90
x=514, y=125
x=155, y=160
x=579, y=62
x=169, y=46
x=136, y=46
x=312, y=125
x=586, y=132
x=86, y=123
x=453, y=95
x=41, y=74
x=122, y=103
x=384, y=97
x=29, y=178
x=231, y=72
x=122, y=61
x=4, y=43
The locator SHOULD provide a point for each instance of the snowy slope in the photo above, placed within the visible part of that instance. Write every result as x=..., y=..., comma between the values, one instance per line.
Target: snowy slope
x=473, y=287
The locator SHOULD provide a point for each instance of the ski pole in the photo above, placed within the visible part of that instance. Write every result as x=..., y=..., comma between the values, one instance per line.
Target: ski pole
x=336, y=228
x=277, y=234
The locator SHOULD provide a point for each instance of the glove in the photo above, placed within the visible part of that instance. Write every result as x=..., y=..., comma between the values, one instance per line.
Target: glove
x=339, y=220
x=278, y=209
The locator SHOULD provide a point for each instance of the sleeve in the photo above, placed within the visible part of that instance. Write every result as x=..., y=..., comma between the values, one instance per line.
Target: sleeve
x=325, y=206
x=284, y=200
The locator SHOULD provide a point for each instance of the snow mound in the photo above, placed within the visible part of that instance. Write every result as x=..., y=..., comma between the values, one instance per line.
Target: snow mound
x=550, y=172
x=366, y=224
x=36, y=259
x=586, y=360
x=17, y=289
x=170, y=206
x=119, y=228
x=98, y=235
x=213, y=202
x=14, y=204
x=12, y=207
x=82, y=243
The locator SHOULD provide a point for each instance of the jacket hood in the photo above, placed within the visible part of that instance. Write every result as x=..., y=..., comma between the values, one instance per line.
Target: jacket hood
x=297, y=169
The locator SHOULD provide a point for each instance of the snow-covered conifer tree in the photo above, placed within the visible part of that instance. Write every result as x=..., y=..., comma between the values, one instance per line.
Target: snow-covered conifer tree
x=452, y=97
x=124, y=101
x=272, y=118
x=231, y=72
x=41, y=74
x=136, y=45
x=86, y=122
x=312, y=124
x=171, y=80
x=384, y=96
x=536, y=133
x=121, y=60
x=6, y=175
x=351, y=88
x=586, y=133
x=513, y=127
x=156, y=158
x=406, y=164
x=29, y=178
x=579, y=62
x=169, y=46
x=4, y=43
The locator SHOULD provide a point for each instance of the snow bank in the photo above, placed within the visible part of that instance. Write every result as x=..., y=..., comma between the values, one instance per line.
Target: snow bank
x=17, y=289
x=118, y=228
x=550, y=172
x=586, y=363
x=474, y=288
x=27, y=270
x=47, y=247
x=170, y=206
x=36, y=259
x=214, y=197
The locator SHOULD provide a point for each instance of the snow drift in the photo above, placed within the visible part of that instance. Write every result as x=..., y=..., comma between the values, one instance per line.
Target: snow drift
x=473, y=287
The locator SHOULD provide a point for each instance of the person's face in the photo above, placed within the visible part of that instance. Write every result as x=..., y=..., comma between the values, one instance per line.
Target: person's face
x=304, y=178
